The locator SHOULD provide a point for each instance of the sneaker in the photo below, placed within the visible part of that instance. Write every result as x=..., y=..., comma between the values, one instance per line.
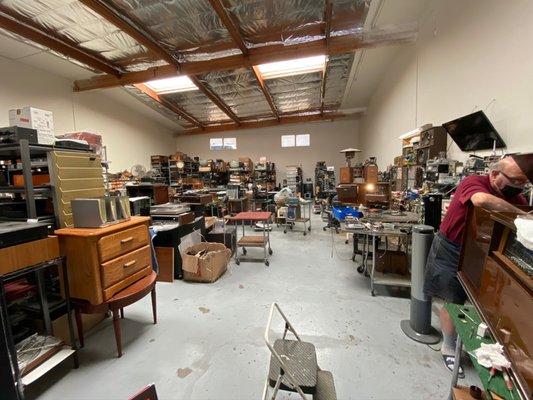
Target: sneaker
x=449, y=361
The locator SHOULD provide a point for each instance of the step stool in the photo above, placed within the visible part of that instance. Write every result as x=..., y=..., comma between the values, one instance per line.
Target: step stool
x=294, y=366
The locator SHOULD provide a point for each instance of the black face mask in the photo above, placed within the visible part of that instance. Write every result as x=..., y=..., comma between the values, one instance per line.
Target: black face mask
x=511, y=191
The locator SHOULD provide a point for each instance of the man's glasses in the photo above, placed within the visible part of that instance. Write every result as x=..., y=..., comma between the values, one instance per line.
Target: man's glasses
x=515, y=181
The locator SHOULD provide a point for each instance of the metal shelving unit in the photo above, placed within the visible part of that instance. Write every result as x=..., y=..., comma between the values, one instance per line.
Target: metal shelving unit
x=26, y=152
x=65, y=352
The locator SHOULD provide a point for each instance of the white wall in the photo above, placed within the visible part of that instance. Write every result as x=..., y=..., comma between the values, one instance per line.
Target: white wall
x=130, y=138
x=327, y=139
x=470, y=55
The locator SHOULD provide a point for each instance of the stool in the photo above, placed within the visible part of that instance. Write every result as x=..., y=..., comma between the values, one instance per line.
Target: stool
x=116, y=304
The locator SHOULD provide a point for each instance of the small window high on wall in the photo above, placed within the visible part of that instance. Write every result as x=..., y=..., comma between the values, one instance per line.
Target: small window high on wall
x=229, y=143
x=302, y=140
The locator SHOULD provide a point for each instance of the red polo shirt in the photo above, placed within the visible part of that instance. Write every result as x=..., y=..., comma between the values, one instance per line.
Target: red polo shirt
x=454, y=221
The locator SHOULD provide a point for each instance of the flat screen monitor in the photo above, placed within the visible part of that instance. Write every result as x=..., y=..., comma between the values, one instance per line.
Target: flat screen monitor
x=474, y=132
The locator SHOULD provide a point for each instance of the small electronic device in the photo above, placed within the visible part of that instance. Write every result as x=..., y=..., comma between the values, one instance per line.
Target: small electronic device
x=73, y=144
x=13, y=233
x=99, y=211
x=140, y=205
x=13, y=134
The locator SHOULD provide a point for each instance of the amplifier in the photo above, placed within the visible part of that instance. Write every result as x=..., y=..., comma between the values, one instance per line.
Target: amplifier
x=13, y=134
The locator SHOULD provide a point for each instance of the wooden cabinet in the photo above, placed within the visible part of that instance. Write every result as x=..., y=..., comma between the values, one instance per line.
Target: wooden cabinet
x=496, y=271
x=103, y=261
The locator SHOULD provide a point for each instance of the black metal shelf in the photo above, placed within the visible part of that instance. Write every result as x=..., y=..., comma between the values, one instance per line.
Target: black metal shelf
x=45, y=189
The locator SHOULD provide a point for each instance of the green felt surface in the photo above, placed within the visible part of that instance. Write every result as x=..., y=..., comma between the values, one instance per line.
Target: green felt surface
x=466, y=328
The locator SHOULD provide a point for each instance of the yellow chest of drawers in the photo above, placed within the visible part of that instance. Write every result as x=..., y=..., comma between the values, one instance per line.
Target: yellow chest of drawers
x=103, y=261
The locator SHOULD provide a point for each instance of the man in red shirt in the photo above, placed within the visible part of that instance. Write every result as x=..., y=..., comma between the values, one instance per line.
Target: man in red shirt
x=496, y=191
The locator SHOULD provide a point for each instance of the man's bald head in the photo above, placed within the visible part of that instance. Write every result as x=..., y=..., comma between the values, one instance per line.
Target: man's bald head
x=506, y=172
x=510, y=168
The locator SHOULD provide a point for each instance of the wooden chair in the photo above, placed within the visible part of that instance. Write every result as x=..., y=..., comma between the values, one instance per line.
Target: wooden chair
x=116, y=304
x=148, y=393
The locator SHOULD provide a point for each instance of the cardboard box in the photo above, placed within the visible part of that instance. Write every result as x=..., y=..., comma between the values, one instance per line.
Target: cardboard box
x=60, y=325
x=34, y=118
x=205, y=262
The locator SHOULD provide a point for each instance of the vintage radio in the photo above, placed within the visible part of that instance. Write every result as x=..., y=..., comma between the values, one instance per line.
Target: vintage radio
x=496, y=271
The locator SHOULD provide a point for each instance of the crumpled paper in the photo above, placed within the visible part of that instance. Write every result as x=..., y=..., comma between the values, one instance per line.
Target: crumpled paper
x=524, y=231
x=491, y=355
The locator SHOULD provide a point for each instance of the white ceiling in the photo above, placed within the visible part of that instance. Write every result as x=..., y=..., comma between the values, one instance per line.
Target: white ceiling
x=367, y=70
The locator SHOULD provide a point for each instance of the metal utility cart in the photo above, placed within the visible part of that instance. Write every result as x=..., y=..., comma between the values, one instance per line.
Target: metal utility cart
x=370, y=248
x=251, y=218
x=292, y=217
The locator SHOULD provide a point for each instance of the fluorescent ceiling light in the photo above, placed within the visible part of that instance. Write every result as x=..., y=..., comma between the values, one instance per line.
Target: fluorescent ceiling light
x=172, y=85
x=292, y=67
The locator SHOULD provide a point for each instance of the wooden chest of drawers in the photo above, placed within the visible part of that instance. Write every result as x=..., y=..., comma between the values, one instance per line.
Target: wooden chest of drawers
x=103, y=261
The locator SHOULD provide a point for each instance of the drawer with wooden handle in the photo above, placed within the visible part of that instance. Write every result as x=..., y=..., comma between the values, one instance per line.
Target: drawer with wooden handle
x=121, y=267
x=119, y=243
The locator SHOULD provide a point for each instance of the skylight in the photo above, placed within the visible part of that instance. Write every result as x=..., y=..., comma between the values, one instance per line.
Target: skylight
x=292, y=67
x=172, y=85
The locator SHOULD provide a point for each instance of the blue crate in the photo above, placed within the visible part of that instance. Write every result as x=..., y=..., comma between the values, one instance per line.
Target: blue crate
x=341, y=212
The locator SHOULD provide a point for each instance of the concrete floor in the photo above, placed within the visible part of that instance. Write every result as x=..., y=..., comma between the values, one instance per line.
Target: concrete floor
x=208, y=343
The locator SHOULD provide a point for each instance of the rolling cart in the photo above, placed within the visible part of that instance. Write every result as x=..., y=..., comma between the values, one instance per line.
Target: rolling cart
x=253, y=217
x=292, y=217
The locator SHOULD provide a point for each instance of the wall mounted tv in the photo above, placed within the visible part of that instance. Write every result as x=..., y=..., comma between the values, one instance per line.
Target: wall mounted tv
x=474, y=132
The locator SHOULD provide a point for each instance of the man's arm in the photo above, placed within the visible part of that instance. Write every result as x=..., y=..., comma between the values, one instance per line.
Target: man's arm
x=493, y=203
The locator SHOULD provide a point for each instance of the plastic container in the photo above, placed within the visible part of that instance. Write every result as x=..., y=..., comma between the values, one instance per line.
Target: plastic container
x=341, y=212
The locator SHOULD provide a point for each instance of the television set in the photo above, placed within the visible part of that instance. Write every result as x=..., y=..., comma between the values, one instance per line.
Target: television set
x=474, y=132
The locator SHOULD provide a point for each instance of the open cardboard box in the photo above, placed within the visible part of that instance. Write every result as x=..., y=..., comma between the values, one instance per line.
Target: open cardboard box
x=205, y=262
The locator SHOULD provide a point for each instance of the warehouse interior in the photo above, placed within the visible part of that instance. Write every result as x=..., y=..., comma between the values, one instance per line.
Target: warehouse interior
x=267, y=199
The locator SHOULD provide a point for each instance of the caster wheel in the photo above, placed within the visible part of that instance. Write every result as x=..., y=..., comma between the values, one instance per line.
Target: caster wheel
x=373, y=293
x=270, y=251
x=305, y=233
x=309, y=229
x=290, y=227
x=324, y=229
x=237, y=262
x=285, y=231
x=353, y=258
x=345, y=242
x=267, y=263
x=244, y=251
x=360, y=270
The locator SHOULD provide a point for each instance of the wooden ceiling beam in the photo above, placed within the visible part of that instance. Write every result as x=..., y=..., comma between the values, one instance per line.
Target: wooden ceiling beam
x=22, y=27
x=171, y=106
x=220, y=8
x=328, y=9
x=113, y=16
x=291, y=119
x=214, y=98
x=117, y=19
x=256, y=56
x=265, y=91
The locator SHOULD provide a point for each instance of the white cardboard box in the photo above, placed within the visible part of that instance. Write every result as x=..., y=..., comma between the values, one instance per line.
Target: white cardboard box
x=34, y=118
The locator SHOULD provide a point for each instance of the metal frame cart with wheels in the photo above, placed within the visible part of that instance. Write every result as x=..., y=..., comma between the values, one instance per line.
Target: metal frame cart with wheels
x=305, y=217
x=253, y=217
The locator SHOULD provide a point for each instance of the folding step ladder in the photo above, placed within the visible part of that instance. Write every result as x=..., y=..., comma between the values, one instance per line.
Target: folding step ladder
x=294, y=366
